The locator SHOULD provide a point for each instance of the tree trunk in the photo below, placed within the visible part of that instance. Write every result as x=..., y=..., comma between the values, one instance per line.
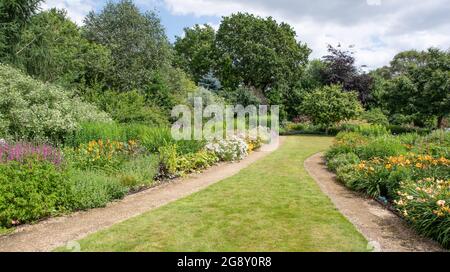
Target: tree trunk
x=440, y=122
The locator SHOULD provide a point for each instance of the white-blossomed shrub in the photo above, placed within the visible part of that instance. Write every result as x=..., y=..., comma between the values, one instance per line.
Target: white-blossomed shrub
x=233, y=148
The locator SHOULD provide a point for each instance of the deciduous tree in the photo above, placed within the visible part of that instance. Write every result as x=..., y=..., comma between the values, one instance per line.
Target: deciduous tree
x=258, y=52
x=137, y=41
x=330, y=104
x=194, y=51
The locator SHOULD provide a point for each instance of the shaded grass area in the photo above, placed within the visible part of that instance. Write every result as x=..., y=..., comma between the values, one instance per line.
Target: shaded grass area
x=273, y=205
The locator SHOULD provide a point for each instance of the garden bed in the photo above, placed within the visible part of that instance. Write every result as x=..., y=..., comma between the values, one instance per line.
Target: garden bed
x=411, y=172
x=40, y=181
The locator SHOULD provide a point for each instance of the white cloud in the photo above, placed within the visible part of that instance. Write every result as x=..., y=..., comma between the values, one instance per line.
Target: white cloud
x=377, y=28
x=76, y=9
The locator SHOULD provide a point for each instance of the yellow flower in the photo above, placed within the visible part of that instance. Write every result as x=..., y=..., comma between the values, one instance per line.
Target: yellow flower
x=388, y=166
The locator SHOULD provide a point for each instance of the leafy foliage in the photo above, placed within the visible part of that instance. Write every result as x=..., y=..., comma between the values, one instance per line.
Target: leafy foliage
x=410, y=172
x=53, y=50
x=257, y=52
x=131, y=107
x=14, y=16
x=375, y=116
x=195, y=50
x=420, y=86
x=340, y=69
x=33, y=110
x=31, y=190
x=139, y=172
x=330, y=104
x=108, y=155
x=241, y=96
x=137, y=42
x=93, y=189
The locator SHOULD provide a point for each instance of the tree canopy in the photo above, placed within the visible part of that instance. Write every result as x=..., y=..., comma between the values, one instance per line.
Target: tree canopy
x=341, y=69
x=137, y=42
x=195, y=50
x=258, y=52
x=53, y=50
x=331, y=104
x=14, y=16
x=420, y=85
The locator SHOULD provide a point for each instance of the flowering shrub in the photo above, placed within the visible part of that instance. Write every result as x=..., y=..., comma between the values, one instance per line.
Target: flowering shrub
x=102, y=154
x=21, y=151
x=30, y=109
x=233, y=148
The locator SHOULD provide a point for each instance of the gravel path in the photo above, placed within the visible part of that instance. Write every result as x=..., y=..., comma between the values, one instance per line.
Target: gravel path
x=382, y=228
x=59, y=231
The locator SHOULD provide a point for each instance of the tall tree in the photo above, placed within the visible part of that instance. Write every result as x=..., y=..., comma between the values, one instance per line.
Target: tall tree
x=14, y=15
x=137, y=41
x=52, y=49
x=422, y=87
x=341, y=69
x=258, y=52
x=194, y=51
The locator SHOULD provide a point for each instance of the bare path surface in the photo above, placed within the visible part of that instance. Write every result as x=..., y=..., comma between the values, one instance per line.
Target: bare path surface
x=58, y=231
x=383, y=228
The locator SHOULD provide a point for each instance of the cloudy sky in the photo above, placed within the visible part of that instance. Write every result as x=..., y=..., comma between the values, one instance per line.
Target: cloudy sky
x=377, y=29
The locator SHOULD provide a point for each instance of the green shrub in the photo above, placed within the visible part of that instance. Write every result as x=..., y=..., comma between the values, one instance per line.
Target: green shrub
x=132, y=107
x=381, y=147
x=154, y=138
x=402, y=129
x=91, y=189
x=139, y=172
x=196, y=161
x=31, y=190
x=346, y=142
x=346, y=174
x=372, y=130
x=375, y=117
x=342, y=159
x=173, y=164
x=329, y=105
x=30, y=109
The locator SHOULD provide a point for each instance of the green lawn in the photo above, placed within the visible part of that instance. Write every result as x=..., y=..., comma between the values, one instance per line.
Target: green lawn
x=273, y=205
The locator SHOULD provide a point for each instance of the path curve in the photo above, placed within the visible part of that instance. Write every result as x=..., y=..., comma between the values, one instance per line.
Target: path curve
x=58, y=231
x=385, y=230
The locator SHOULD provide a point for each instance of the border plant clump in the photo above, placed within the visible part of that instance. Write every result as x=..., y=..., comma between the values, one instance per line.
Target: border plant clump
x=410, y=172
